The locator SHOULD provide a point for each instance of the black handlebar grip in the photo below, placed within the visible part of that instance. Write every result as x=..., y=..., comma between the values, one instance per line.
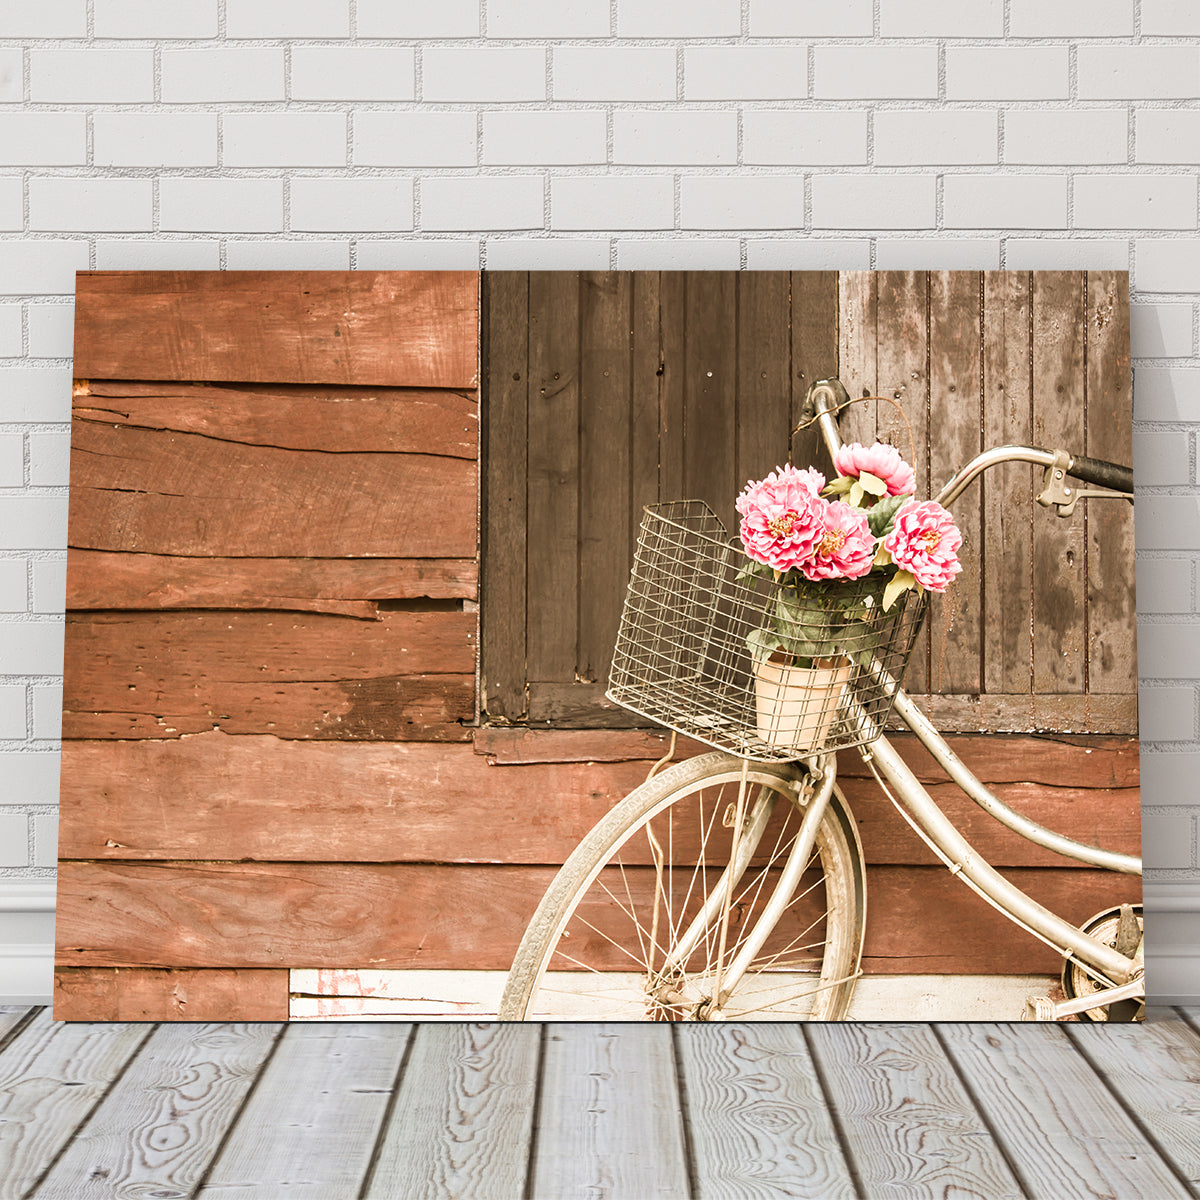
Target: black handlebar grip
x=1101, y=473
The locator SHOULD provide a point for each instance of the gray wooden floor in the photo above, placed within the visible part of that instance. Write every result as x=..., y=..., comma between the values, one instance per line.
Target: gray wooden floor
x=340, y=1111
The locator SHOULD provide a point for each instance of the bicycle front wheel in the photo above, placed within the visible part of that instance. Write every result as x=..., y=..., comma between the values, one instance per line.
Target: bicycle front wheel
x=649, y=919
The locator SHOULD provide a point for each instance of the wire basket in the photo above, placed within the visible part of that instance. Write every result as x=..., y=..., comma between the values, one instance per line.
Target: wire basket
x=694, y=648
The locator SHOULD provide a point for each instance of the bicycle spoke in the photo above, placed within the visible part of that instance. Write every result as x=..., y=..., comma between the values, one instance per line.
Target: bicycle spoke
x=637, y=926
x=611, y=941
x=832, y=983
x=645, y=962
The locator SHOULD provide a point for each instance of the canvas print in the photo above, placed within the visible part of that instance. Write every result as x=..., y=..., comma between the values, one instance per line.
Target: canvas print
x=676, y=646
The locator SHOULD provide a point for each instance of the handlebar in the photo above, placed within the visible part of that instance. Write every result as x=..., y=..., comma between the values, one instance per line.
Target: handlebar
x=1101, y=473
x=827, y=396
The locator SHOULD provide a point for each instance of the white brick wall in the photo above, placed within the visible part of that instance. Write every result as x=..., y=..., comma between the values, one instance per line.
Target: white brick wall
x=275, y=134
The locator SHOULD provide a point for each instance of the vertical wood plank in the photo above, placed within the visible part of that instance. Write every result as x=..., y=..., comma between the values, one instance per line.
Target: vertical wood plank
x=1064, y=1135
x=310, y=1128
x=647, y=374
x=157, y=1130
x=902, y=349
x=1059, y=581
x=814, y=321
x=1007, y=492
x=609, y=1123
x=858, y=312
x=763, y=386
x=506, y=361
x=50, y=1077
x=759, y=1125
x=553, y=493
x=461, y=1123
x=1112, y=619
x=604, y=466
x=673, y=333
x=908, y=1122
x=954, y=422
x=1154, y=1067
x=710, y=403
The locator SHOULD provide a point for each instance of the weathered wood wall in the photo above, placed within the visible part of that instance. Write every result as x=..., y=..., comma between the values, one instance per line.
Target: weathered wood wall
x=273, y=525
x=608, y=391
x=269, y=761
x=1038, y=632
x=612, y=390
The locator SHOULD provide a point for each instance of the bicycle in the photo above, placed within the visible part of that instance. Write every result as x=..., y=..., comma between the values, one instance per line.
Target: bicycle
x=732, y=885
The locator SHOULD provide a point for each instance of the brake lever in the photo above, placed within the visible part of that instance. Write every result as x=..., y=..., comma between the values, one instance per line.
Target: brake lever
x=1056, y=492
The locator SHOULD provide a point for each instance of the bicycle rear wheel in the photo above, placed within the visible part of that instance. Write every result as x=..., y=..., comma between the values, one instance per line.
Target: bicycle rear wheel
x=647, y=916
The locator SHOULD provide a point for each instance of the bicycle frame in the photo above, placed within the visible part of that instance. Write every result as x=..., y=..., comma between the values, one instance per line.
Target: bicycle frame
x=824, y=399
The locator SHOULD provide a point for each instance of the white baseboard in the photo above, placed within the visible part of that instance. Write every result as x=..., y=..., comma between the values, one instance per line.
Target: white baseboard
x=26, y=974
x=26, y=896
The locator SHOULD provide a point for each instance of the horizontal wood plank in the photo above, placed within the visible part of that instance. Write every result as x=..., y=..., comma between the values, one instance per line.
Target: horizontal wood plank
x=1110, y=819
x=471, y=918
x=1083, y=760
x=407, y=675
x=1032, y=713
x=353, y=587
x=583, y=705
x=578, y=705
x=121, y=994
x=1077, y=760
x=346, y=994
x=212, y=796
x=428, y=708
x=156, y=492
x=402, y=328
x=506, y=746
x=333, y=420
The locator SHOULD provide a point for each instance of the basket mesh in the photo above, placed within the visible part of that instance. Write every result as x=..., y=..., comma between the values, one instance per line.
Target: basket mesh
x=684, y=660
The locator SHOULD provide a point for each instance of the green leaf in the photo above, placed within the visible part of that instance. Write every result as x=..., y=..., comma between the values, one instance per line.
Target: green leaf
x=872, y=483
x=881, y=514
x=900, y=583
x=838, y=487
x=762, y=643
x=883, y=556
x=752, y=570
x=856, y=494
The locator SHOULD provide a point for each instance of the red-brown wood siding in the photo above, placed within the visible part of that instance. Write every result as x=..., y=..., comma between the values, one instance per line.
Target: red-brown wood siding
x=273, y=522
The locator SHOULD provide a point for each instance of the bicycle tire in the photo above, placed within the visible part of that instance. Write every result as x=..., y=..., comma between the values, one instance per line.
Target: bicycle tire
x=679, y=806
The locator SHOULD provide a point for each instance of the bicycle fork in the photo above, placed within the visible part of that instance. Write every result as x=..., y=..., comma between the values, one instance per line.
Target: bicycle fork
x=748, y=831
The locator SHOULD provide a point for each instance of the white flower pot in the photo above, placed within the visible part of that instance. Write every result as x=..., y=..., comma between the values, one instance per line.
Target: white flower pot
x=797, y=706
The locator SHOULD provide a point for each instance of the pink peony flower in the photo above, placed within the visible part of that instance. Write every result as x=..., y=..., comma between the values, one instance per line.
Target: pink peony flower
x=781, y=517
x=924, y=541
x=882, y=461
x=846, y=549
